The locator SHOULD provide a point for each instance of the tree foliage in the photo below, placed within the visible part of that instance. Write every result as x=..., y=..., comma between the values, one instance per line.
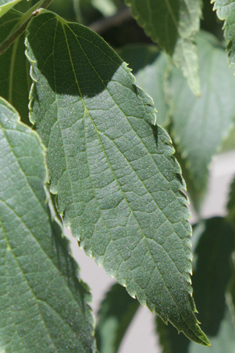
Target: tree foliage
x=85, y=146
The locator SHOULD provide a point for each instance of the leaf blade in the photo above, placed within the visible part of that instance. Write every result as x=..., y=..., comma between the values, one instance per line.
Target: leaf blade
x=43, y=302
x=190, y=113
x=172, y=24
x=15, y=81
x=116, y=312
x=6, y=5
x=100, y=174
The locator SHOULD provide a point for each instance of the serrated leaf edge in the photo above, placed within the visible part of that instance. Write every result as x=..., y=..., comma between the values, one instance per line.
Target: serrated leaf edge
x=188, y=272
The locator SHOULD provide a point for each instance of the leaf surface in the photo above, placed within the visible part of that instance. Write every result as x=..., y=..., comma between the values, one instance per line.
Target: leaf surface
x=172, y=24
x=201, y=124
x=118, y=185
x=43, y=303
x=14, y=68
x=114, y=317
x=149, y=68
x=212, y=272
x=6, y=5
x=225, y=10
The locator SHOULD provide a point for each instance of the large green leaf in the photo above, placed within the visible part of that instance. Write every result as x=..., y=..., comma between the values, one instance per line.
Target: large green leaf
x=149, y=69
x=14, y=68
x=201, y=124
x=212, y=273
x=114, y=317
x=43, y=304
x=118, y=185
x=172, y=24
x=225, y=10
x=6, y=5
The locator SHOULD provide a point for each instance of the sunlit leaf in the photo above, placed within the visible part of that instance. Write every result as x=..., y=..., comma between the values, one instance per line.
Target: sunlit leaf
x=43, y=303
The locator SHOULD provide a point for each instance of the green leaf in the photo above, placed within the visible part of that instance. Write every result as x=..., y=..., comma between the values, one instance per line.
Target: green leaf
x=149, y=69
x=226, y=11
x=14, y=68
x=201, y=124
x=106, y=7
x=118, y=185
x=114, y=317
x=212, y=273
x=6, y=5
x=172, y=24
x=231, y=204
x=43, y=303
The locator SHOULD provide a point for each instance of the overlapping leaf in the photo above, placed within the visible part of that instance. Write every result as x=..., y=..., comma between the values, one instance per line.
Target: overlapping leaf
x=6, y=5
x=210, y=280
x=115, y=315
x=172, y=24
x=118, y=184
x=43, y=304
x=14, y=68
x=201, y=124
x=225, y=10
x=149, y=69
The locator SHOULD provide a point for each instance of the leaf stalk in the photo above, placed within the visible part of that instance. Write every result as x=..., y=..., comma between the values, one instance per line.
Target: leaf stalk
x=26, y=18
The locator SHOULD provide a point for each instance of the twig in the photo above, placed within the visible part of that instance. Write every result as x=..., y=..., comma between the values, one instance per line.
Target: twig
x=105, y=23
x=13, y=36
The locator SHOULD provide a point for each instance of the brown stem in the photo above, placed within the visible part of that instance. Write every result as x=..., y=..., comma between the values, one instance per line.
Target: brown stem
x=105, y=23
x=13, y=36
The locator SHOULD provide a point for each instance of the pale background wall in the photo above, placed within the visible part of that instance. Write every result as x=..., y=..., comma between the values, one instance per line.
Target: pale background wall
x=140, y=337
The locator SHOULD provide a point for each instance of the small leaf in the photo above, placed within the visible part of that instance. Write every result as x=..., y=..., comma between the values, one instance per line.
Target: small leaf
x=106, y=7
x=6, y=5
x=212, y=273
x=14, y=68
x=226, y=11
x=172, y=24
x=43, y=303
x=149, y=68
x=201, y=124
x=119, y=187
x=114, y=317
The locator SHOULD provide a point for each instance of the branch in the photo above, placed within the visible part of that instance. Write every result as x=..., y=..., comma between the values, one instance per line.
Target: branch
x=13, y=36
x=104, y=24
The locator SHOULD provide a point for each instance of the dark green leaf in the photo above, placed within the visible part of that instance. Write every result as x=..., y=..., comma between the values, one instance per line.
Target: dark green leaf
x=119, y=187
x=149, y=69
x=115, y=315
x=14, y=68
x=43, y=304
x=172, y=24
x=201, y=124
x=210, y=280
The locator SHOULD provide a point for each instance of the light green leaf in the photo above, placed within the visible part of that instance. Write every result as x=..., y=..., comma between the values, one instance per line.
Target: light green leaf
x=172, y=24
x=225, y=10
x=212, y=273
x=6, y=5
x=43, y=303
x=149, y=69
x=201, y=124
x=114, y=317
x=14, y=68
x=119, y=187
x=106, y=7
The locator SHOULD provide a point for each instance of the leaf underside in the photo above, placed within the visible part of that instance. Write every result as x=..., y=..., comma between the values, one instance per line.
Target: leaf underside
x=118, y=185
x=14, y=68
x=43, y=303
x=225, y=11
x=172, y=24
x=211, y=116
